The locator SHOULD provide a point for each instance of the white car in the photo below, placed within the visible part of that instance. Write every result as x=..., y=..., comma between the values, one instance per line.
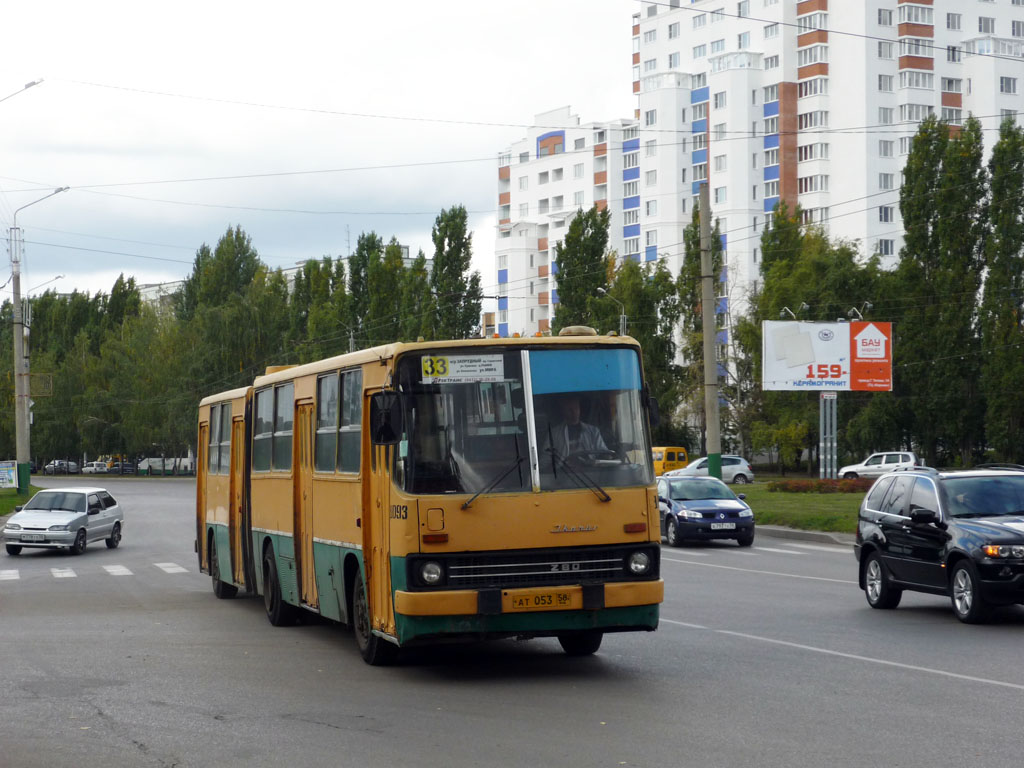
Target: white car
x=95, y=468
x=877, y=464
x=65, y=517
x=735, y=469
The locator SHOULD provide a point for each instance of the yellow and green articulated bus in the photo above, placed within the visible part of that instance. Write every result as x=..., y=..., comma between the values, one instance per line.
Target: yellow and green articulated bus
x=418, y=492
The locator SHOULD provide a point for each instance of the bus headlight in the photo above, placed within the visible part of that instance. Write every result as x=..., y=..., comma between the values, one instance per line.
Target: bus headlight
x=431, y=573
x=639, y=563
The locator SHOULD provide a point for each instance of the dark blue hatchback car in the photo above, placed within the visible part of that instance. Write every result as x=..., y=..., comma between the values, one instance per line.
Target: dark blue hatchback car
x=701, y=509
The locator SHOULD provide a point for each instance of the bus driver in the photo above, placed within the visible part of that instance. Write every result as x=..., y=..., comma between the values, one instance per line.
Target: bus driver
x=573, y=435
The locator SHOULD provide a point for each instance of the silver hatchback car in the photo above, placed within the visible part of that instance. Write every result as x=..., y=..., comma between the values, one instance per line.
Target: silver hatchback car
x=65, y=517
x=735, y=469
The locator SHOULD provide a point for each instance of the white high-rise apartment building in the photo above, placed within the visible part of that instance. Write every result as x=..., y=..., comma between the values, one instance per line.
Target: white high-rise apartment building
x=811, y=102
x=558, y=169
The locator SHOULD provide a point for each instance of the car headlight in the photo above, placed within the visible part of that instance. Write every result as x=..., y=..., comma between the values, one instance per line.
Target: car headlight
x=639, y=563
x=691, y=514
x=13, y=527
x=58, y=527
x=1003, y=550
x=431, y=573
x=746, y=513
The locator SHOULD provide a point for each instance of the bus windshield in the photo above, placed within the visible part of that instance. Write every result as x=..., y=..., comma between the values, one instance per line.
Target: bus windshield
x=467, y=426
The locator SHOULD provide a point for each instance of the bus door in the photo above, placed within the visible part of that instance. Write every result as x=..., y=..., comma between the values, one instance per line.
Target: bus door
x=235, y=513
x=376, y=537
x=201, y=472
x=304, y=505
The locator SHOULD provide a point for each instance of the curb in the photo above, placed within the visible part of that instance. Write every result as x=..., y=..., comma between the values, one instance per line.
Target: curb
x=823, y=537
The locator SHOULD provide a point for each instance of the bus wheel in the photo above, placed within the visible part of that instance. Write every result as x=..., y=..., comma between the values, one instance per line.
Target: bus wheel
x=581, y=643
x=221, y=589
x=279, y=612
x=375, y=650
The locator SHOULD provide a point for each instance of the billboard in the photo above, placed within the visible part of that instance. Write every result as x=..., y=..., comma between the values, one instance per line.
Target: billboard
x=836, y=357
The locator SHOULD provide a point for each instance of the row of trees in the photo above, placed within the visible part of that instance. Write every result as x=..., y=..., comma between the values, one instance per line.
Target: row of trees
x=956, y=298
x=127, y=375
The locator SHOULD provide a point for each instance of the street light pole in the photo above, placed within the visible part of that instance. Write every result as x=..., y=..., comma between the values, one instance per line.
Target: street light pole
x=622, y=310
x=21, y=370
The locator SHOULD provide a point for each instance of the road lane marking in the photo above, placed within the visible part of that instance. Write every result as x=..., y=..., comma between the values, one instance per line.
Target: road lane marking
x=870, y=660
x=171, y=568
x=9, y=576
x=753, y=570
x=820, y=548
x=683, y=624
x=779, y=551
x=63, y=573
x=117, y=570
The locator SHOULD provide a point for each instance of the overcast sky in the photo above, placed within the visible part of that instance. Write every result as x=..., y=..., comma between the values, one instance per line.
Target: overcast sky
x=359, y=116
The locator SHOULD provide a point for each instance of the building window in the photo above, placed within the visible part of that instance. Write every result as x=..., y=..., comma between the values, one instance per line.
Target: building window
x=700, y=172
x=770, y=31
x=651, y=148
x=885, y=49
x=885, y=214
x=651, y=207
x=915, y=14
x=771, y=93
x=771, y=157
x=524, y=182
x=1007, y=84
x=886, y=180
x=524, y=210
x=717, y=46
x=631, y=245
x=700, y=141
x=524, y=157
x=753, y=193
x=952, y=115
x=1008, y=114
x=915, y=112
x=631, y=160
x=651, y=117
x=650, y=36
x=905, y=144
x=719, y=100
x=816, y=119
x=811, y=152
x=542, y=178
x=673, y=60
x=816, y=183
x=699, y=80
x=720, y=163
x=1017, y=28
x=700, y=51
x=651, y=178
x=631, y=216
x=743, y=8
x=719, y=131
x=700, y=20
x=885, y=148
x=771, y=62
x=986, y=25
x=952, y=53
x=885, y=115
x=771, y=125
x=700, y=111
x=580, y=144
x=631, y=189
x=577, y=171
x=651, y=237
x=886, y=247
x=577, y=199
x=885, y=83
x=720, y=195
x=743, y=40
x=811, y=55
x=952, y=21
x=650, y=65
x=673, y=31
x=952, y=85
x=913, y=79
x=812, y=22
x=771, y=189
x=884, y=17
x=817, y=86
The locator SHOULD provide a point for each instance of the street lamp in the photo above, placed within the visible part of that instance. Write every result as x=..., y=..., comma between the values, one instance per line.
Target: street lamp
x=21, y=374
x=622, y=310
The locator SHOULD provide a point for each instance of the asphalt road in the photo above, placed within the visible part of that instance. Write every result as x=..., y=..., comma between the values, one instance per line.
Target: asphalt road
x=765, y=657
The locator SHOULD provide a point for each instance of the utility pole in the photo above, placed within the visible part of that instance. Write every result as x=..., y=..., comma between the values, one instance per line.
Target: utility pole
x=707, y=282
x=22, y=389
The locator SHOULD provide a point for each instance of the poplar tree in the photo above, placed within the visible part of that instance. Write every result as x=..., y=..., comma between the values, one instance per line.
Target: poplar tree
x=456, y=292
x=384, y=280
x=417, y=308
x=580, y=260
x=1001, y=317
x=368, y=247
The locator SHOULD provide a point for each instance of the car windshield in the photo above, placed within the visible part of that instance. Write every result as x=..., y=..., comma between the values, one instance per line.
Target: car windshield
x=467, y=424
x=985, y=496
x=57, y=500
x=699, y=488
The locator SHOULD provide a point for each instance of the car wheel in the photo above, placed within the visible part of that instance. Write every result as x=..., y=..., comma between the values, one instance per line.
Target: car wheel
x=740, y=480
x=879, y=592
x=279, y=612
x=221, y=589
x=672, y=532
x=115, y=537
x=745, y=541
x=13, y=549
x=375, y=650
x=584, y=643
x=968, y=604
x=850, y=476
x=80, y=541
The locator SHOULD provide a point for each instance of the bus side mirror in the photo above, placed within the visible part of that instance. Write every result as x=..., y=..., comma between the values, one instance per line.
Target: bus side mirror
x=386, y=421
x=652, y=410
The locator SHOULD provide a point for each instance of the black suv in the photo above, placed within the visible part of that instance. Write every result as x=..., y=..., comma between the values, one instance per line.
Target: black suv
x=945, y=533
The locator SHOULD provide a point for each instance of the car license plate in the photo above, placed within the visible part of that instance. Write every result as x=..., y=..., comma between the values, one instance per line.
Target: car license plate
x=32, y=537
x=723, y=526
x=542, y=600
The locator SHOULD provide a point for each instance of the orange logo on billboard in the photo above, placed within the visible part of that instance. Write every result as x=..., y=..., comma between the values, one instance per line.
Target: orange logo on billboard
x=871, y=357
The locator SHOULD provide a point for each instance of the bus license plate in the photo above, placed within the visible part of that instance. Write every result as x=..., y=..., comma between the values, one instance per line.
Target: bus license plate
x=723, y=526
x=543, y=600
x=32, y=537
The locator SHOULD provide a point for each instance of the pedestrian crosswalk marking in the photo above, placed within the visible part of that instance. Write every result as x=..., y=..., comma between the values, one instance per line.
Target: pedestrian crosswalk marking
x=779, y=551
x=171, y=568
x=9, y=575
x=819, y=548
x=63, y=573
x=117, y=570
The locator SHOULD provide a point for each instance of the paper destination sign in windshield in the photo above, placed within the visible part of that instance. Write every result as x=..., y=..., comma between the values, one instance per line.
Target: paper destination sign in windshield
x=455, y=369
